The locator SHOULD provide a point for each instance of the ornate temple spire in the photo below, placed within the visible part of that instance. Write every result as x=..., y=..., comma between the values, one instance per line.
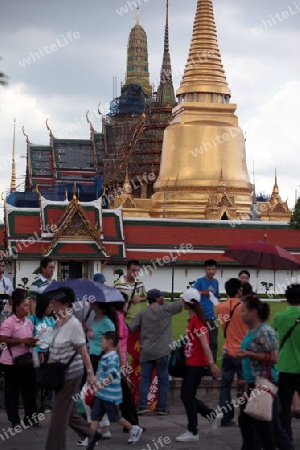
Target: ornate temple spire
x=165, y=91
x=137, y=58
x=204, y=71
x=13, y=181
x=275, y=188
x=275, y=193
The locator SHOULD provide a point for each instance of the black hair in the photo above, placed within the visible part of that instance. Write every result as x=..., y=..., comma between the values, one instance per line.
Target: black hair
x=63, y=295
x=120, y=305
x=132, y=262
x=18, y=296
x=245, y=272
x=110, y=311
x=263, y=309
x=293, y=294
x=210, y=262
x=195, y=306
x=246, y=289
x=112, y=336
x=45, y=262
x=232, y=286
x=42, y=304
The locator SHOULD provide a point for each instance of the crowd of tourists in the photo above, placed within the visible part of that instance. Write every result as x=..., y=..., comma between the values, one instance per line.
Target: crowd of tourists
x=113, y=352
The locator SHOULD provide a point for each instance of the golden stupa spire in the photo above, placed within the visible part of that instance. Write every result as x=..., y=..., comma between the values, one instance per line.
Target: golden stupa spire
x=275, y=192
x=204, y=71
x=13, y=181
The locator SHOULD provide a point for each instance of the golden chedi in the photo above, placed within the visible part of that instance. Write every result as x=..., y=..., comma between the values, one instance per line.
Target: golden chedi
x=203, y=172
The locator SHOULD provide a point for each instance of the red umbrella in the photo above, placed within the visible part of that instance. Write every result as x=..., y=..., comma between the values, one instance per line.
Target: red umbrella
x=262, y=254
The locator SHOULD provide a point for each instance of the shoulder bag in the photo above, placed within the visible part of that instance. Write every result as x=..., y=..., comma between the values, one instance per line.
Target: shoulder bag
x=51, y=375
x=230, y=317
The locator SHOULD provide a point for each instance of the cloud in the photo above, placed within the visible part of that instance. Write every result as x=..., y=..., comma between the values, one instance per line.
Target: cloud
x=273, y=141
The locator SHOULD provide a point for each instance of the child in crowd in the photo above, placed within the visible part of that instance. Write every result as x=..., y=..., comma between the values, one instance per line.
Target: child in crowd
x=109, y=396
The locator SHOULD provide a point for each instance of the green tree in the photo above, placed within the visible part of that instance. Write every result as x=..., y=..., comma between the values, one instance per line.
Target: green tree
x=3, y=81
x=295, y=218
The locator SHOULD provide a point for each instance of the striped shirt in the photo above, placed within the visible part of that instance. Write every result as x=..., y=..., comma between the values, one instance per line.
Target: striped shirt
x=139, y=290
x=110, y=364
x=38, y=287
x=67, y=337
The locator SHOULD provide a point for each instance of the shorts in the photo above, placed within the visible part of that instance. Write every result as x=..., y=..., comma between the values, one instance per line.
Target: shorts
x=100, y=407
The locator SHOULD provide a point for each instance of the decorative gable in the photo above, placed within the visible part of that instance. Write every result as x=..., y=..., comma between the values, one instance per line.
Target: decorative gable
x=75, y=226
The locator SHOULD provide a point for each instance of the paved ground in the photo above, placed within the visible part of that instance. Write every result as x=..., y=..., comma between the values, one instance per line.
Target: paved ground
x=168, y=427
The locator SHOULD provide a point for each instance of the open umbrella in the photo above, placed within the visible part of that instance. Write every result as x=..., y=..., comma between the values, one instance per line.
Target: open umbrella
x=89, y=290
x=262, y=254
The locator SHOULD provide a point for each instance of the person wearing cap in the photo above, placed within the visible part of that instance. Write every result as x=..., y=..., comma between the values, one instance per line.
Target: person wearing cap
x=198, y=356
x=155, y=322
x=99, y=278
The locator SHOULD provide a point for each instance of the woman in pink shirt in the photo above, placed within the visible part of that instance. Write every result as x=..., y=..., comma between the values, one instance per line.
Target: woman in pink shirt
x=17, y=333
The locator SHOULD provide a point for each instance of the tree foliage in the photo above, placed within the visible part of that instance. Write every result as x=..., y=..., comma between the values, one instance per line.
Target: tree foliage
x=3, y=81
x=295, y=218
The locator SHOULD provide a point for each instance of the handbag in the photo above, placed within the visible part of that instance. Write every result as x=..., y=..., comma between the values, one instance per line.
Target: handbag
x=176, y=364
x=260, y=402
x=22, y=360
x=51, y=375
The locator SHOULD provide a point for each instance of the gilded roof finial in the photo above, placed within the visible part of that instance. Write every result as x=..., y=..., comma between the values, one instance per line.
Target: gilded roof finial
x=127, y=186
x=99, y=112
x=138, y=16
x=13, y=181
x=74, y=191
x=26, y=135
x=48, y=128
x=88, y=121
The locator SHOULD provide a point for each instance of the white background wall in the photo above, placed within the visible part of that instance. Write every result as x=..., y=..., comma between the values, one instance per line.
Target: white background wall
x=161, y=278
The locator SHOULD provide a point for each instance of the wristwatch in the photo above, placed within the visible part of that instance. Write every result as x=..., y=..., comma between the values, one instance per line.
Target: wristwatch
x=89, y=370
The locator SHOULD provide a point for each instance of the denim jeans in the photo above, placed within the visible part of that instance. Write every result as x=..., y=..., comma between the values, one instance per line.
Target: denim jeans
x=191, y=380
x=161, y=365
x=289, y=383
x=230, y=365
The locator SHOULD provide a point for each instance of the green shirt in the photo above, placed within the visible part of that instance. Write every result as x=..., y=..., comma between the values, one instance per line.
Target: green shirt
x=128, y=288
x=289, y=356
x=38, y=286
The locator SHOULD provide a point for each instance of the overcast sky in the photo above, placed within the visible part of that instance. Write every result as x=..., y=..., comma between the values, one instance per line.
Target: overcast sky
x=259, y=42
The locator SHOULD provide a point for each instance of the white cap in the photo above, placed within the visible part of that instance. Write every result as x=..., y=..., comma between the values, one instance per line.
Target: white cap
x=190, y=294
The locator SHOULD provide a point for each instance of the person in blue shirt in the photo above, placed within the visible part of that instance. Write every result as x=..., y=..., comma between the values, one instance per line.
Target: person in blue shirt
x=208, y=287
x=108, y=389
